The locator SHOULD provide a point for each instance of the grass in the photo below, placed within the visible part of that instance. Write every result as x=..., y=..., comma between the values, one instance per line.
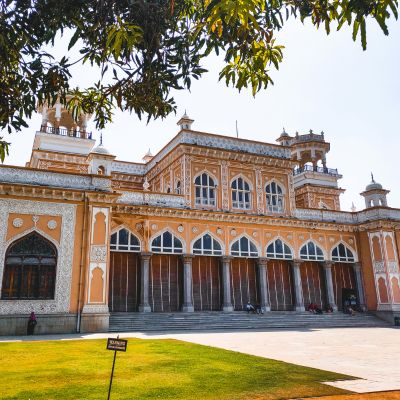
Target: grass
x=150, y=369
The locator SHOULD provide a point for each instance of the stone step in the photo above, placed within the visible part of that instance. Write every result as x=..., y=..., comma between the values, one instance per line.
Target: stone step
x=120, y=322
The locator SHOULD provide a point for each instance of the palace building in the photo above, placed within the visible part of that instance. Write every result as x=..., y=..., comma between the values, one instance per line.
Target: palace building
x=209, y=223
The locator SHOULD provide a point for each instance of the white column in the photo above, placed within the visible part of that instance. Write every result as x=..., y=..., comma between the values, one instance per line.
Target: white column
x=359, y=284
x=327, y=265
x=187, y=284
x=299, y=300
x=262, y=279
x=144, y=305
x=226, y=284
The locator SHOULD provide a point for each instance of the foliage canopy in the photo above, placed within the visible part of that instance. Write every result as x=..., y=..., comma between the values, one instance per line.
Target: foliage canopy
x=146, y=48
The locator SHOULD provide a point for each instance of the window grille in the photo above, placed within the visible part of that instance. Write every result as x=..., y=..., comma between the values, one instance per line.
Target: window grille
x=123, y=240
x=275, y=198
x=278, y=249
x=207, y=245
x=244, y=247
x=342, y=254
x=311, y=252
x=205, y=190
x=166, y=243
x=240, y=194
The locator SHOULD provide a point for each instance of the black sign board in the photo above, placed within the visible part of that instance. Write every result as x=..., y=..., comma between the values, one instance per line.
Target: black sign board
x=116, y=344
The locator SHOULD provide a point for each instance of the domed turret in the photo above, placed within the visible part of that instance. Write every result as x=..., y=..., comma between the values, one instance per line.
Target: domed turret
x=100, y=160
x=375, y=194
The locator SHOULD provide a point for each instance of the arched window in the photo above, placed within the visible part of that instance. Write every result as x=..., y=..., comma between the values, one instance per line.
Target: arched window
x=240, y=194
x=279, y=249
x=178, y=187
x=311, y=252
x=123, y=240
x=274, y=195
x=30, y=269
x=244, y=247
x=207, y=245
x=205, y=190
x=101, y=170
x=166, y=243
x=342, y=254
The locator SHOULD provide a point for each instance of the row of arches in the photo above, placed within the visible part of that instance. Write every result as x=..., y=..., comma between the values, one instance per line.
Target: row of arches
x=241, y=193
x=168, y=243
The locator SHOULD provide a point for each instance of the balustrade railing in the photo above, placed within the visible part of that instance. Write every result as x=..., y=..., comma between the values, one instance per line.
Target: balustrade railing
x=321, y=170
x=76, y=133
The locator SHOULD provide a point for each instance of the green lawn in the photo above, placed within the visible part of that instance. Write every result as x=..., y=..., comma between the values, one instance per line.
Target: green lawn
x=150, y=369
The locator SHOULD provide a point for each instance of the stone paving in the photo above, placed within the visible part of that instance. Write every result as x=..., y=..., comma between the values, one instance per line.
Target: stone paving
x=372, y=354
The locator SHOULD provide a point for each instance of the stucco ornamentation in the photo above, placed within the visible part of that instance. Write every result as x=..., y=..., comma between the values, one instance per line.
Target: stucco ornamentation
x=195, y=229
x=393, y=268
x=379, y=267
x=98, y=253
x=65, y=250
x=181, y=228
x=154, y=227
x=220, y=231
x=53, y=179
x=233, y=232
x=139, y=226
x=17, y=222
x=52, y=224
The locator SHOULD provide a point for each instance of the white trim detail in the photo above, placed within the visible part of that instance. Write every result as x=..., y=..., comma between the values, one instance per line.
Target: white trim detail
x=62, y=293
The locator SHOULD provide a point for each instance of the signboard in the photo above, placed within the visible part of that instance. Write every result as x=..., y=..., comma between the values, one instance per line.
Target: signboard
x=116, y=344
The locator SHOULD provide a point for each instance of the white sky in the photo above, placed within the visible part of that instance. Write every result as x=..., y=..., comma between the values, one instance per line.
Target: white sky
x=325, y=83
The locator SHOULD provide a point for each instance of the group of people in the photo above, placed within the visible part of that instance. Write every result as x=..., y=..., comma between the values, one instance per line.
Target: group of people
x=250, y=308
x=313, y=308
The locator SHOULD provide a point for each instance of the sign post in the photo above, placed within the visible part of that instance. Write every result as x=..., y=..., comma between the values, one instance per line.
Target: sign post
x=116, y=345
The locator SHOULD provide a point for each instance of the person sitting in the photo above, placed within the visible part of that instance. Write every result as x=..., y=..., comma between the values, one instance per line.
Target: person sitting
x=351, y=311
x=328, y=309
x=318, y=310
x=311, y=308
x=250, y=307
x=259, y=309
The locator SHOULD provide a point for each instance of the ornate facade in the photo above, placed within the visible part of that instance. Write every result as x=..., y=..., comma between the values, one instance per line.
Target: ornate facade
x=209, y=223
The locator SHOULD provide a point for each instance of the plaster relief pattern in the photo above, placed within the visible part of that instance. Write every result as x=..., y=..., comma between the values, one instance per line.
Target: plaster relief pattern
x=98, y=254
x=17, y=222
x=67, y=213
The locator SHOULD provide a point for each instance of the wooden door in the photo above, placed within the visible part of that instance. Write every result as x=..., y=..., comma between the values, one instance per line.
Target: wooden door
x=124, y=282
x=342, y=278
x=313, y=283
x=280, y=285
x=165, y=291
x=244, y=283
x=206, y=279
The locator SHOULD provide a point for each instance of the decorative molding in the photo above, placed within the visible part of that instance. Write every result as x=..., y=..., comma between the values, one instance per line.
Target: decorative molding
x=224, y=184
x=153, y=199
x=54, y=179
x=17, y=222
x=379, y=267
x=98, y=253
x=393, y=267
x=67, y=212
x=52, y=224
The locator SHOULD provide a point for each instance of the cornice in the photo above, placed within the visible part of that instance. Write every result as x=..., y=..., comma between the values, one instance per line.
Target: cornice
x=48, y=193
x=229, y=218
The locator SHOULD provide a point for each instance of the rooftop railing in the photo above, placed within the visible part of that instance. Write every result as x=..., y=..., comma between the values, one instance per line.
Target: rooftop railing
x=320, y=170
x=76, y=133
x=308, y=138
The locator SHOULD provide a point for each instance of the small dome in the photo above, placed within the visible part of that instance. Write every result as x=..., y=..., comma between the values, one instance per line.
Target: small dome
x=284, y=133
x=100, y=149
x=374, y=186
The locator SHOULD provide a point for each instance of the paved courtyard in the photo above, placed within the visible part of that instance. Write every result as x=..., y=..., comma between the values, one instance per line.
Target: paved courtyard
x=371, y=354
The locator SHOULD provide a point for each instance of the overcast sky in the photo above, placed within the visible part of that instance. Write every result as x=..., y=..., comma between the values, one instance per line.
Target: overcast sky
x=325, y=83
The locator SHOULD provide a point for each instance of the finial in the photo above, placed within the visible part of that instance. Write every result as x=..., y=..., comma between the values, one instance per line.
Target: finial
x=322, y=133
x=297, y=133
x=101, y=139
x=353, y=207
x=311, y=132
x=372, y=177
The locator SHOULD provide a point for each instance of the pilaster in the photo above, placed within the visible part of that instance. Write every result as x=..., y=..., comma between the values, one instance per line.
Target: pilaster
x=263, y=284
x=327, y=265
x=144, y=305
x=226, y=284
x=187, y=283
x=359, y=284
x=299, y=300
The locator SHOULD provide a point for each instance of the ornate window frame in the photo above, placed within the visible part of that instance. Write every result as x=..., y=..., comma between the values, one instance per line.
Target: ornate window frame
x=309, y=256
x=279, y=256
x=62, y=294
x=278, y=198
x=130, y=247
x=162, y=249
x=207, y=252
x=243, y=204
x=240, y=253
x=205, y=201
x=346, y=258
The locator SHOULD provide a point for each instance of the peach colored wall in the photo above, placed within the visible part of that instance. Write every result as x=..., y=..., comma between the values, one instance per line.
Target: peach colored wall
x=367, y=270
x=28, y=224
